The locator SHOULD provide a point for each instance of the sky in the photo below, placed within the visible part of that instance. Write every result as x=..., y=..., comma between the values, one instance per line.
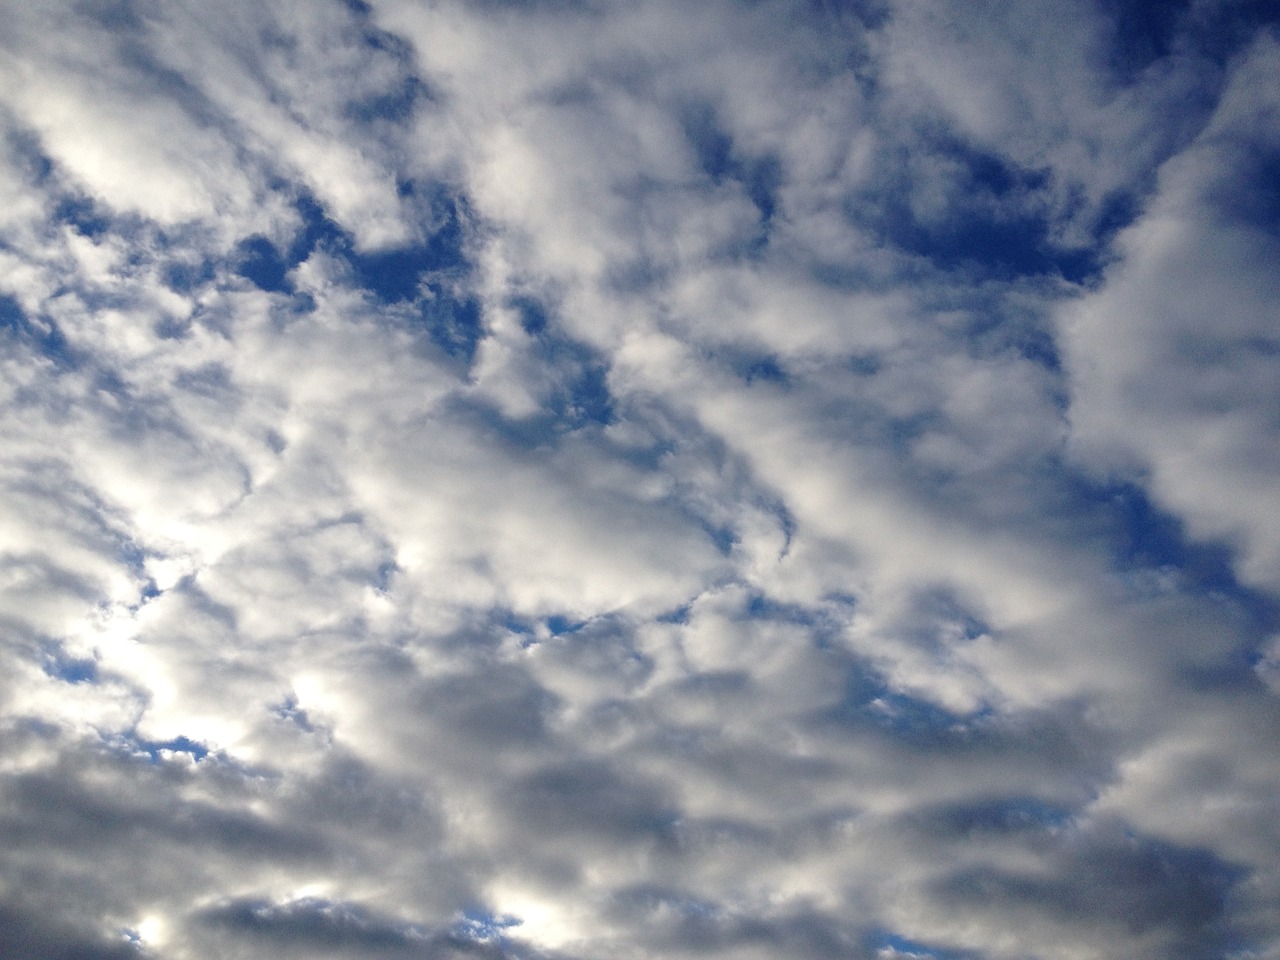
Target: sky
x=596, y=480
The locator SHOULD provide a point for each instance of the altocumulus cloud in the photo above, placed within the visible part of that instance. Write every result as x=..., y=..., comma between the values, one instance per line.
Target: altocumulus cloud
x=551, y=479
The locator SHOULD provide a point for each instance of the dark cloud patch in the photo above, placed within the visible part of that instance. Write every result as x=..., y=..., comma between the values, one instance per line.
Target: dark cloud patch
x=30, y=933
x=1112, y=879
x=289, y=712
x=116, y=15
x=43, y=574
x=55, y=811
x=198, y=602
x=397, y=275
x=573, y=378
x=706, y=752
x=593, y=799
x=317, y=230
x=915, y=719
x=989, y=326
x=352, y=795
x=394, y=275
x=27, y=160
x=760, y=607
x=560, y=626
x=677, y=920
x=11, y=315
x=396, y=104
x=995, y=817
x=496, y=710
x=1040, y=347
x=314, y=927
x=530, y=7
x=696, y=836
x=212, y=380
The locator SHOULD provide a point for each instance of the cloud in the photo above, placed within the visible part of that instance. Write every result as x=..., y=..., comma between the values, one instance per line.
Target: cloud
x=557, y=480
x=1186, y=399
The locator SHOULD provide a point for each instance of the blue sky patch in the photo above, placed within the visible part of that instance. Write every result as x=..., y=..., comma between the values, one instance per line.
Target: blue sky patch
x=1144, y=31
x=558, y=625
x=485, y=926
x=1141, y=535
x=994, y=220
x=42, y=336
x=898, y=947
x=263, y=265
x=71, y=669
x=720, y=160
x=84, y=216
x=152, y=748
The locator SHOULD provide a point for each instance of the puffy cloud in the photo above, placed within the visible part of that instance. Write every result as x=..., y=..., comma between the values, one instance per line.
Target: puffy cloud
x=558, y=480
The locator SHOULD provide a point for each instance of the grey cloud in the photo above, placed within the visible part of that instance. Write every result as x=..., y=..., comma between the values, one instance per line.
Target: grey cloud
x=1160, y=895
x=56, y=813
x=591, y=797
x=490, y=708
x=28, y=931
x=318, y=928
x=677, y=922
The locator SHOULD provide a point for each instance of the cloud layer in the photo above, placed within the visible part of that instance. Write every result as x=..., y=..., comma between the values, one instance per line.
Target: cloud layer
x=581, y=480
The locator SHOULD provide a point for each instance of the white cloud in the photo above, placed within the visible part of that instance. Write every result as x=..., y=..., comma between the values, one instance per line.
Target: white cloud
x=745, y=542
x=1172, y=358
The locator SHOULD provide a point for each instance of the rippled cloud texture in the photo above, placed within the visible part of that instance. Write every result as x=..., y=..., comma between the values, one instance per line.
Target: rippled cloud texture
x=584, y=480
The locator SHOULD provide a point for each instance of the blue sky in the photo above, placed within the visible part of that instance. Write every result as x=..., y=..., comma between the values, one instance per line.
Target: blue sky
x=580, y=480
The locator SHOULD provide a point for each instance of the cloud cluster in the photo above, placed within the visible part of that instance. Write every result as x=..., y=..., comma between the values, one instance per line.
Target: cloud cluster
x=566, y=479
